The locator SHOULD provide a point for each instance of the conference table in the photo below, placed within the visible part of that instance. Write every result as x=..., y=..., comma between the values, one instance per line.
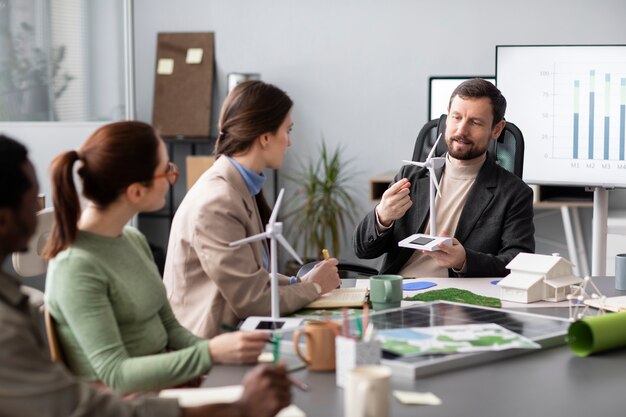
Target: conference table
x=548, y=382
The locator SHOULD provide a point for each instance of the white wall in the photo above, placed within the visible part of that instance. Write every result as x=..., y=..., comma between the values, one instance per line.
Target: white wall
x=45, y=141
x=358, y=69
x=104, y=29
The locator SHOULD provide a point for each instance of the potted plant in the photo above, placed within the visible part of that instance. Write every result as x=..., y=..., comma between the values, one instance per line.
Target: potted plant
x=322, y=206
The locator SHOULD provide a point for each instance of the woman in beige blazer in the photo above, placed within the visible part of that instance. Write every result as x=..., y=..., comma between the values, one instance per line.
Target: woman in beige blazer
x=208, y=282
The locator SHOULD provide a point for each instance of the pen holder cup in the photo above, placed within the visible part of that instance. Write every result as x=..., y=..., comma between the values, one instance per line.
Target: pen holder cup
x=351, y=353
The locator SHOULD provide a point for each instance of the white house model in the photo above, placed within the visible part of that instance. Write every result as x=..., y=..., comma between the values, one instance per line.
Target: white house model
x=537, y=277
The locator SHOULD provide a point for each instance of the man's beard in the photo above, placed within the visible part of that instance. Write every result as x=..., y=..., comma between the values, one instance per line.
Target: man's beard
x=471, y=153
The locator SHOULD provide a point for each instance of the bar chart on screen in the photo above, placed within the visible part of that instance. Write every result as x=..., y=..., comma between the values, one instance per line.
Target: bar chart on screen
x=569, y=101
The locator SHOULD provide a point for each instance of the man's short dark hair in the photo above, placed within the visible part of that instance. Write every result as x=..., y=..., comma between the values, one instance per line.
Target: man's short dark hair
x=478, y=88
x=13, y=181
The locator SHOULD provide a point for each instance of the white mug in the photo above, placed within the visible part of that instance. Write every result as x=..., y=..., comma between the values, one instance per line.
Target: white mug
x=367, y=392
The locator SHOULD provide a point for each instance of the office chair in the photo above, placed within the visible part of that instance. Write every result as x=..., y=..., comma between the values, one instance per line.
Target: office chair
x=346, y=270
x=508, y=149
x=30, y=264
x=54, y=346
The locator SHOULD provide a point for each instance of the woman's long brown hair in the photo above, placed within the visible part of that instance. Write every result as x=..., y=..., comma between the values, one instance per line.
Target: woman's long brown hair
x=250, y=110
x=113, y=157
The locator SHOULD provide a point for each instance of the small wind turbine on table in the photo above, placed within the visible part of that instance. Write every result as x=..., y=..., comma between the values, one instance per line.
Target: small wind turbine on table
x=419, y=240
x=274, y=232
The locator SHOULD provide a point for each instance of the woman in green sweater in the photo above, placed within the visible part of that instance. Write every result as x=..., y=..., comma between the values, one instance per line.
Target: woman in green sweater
x=103, y=288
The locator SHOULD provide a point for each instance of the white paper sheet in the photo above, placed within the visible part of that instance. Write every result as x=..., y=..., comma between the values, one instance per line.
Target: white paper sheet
x=190, y=397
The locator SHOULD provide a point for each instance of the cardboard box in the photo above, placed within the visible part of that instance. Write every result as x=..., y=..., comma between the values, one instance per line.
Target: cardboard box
x=196, y=165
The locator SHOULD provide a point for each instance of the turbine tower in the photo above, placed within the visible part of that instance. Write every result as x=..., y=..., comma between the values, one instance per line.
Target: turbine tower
x=432, y=163
x=274, y=232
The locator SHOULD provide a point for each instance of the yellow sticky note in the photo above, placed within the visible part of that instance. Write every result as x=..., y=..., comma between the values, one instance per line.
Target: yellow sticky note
x=165, y=66
x=419, y=398
x=194, y=56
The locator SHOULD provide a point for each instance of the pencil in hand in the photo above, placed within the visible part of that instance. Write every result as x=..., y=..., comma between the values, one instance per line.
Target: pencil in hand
x=325, y=254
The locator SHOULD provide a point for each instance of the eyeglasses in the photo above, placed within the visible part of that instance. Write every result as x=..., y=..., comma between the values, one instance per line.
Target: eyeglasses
x=171, y=174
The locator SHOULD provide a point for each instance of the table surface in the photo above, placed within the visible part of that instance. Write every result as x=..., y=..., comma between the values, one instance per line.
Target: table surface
x=550, y=382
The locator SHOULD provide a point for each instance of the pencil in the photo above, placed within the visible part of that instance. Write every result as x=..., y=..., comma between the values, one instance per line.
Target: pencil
x=276, y=341
x=366, y=316
x=346, y=322
x=325, y=254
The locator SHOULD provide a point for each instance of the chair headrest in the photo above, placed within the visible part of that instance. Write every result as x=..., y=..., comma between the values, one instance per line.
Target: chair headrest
x=31, y=263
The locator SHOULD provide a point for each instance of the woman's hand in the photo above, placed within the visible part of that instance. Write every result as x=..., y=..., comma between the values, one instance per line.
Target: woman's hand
x=325, y=274
x=238, y=347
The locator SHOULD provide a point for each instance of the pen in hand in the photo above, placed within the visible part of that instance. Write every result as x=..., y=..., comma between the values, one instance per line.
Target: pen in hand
x=297, y=383
x=274, y=340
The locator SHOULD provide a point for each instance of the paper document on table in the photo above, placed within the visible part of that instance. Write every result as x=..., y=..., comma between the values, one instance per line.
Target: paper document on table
x=192, y=397
x=615, y=304
x=418, y=398
x=341, y=297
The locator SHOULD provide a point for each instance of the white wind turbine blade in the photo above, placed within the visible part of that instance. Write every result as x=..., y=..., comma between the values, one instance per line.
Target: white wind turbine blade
x=288, y=247
x=419, y=164
x=277, y=206
x=264, y=235
x=432, y=151
x=433, y=179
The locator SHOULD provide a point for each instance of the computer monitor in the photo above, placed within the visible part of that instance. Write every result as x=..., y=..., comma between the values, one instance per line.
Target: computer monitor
x=440, y=89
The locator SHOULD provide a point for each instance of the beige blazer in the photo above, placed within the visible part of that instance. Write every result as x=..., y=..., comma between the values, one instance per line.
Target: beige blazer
x=209, y=282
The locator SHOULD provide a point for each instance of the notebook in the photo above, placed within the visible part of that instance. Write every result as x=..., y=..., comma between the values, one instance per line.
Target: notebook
x=341, y=297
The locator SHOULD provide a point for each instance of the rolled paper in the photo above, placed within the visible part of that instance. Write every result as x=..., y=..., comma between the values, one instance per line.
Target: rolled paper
x=597, y=334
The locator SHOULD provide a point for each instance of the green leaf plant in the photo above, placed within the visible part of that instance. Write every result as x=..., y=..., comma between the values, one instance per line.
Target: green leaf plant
x=322, y=206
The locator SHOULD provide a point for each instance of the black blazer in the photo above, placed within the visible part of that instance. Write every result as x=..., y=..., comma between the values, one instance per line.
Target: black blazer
x=495, y=225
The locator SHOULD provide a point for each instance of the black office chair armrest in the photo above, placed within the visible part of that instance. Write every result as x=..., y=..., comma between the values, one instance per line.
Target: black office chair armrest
x=346, y=270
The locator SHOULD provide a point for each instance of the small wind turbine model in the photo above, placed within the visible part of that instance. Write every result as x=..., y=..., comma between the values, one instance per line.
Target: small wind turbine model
x=432, y=241
x=273, y=231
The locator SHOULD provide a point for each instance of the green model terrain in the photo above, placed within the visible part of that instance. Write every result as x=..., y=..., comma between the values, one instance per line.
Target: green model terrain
x=456, y=295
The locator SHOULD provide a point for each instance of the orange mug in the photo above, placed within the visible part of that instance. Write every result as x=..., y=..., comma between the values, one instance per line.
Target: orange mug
x=320, y=345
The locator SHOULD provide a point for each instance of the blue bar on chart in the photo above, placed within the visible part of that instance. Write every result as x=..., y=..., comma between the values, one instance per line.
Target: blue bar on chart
x=607, y=112
x=592, y=94
x=622, y=116
x=576, y=115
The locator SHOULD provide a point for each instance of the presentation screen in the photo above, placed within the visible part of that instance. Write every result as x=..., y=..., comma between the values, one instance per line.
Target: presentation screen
x=440, y=89
x=569, y=102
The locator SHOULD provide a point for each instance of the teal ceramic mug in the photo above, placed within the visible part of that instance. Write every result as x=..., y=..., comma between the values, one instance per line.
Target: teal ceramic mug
x=385, y=291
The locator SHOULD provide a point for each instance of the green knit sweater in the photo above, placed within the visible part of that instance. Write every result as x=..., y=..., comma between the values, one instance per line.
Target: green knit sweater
x=113, y=318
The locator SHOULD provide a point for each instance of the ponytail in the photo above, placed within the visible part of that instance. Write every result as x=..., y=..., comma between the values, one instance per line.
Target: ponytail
x=113, y=157
x=66, y=204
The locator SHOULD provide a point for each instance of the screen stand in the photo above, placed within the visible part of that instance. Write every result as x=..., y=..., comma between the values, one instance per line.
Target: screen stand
x=600, y=215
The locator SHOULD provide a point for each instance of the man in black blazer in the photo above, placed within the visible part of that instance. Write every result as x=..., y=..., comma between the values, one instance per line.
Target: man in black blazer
x=491, y=220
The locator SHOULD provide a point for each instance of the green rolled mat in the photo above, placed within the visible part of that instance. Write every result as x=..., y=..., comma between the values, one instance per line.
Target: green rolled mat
x=597, y=334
